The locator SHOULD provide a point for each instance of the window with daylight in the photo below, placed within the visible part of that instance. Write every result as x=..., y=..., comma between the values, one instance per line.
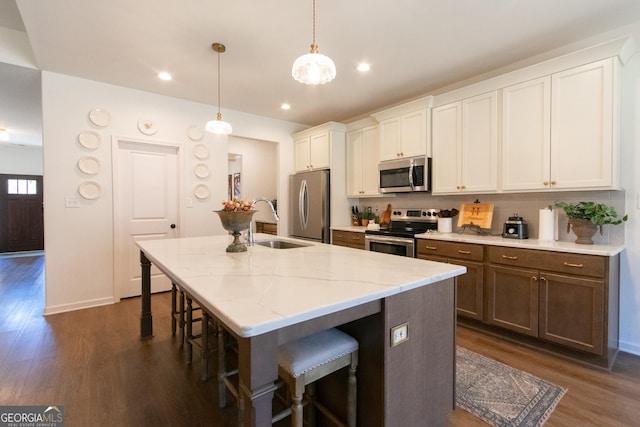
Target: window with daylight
x=22, y=186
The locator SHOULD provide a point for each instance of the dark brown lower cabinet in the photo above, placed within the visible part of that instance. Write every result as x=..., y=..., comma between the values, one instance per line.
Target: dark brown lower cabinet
x=572, y=312
x=512, y=295
x=469, y=286
x=350, y=239
x=562, y=302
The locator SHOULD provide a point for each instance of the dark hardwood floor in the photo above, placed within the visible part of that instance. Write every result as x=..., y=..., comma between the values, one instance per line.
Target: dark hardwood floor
x=92, y=363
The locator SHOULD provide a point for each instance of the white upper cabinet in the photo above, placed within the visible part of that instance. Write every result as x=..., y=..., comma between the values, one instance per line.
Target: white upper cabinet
x=465, y=146
x=404, y=130
x=526, y=135
x=582, y=115
x=312, y=147
x=558, y=131
x=362, y=156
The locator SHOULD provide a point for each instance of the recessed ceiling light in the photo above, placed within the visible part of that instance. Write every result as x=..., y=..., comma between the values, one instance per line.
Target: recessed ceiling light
x=285, y=106
x=164, y=76
x=4, y=134
x=364, y=67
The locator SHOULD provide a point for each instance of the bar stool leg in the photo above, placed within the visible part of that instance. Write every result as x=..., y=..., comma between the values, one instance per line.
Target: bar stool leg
x=204, y=351
x=352, y=393
x=296, y=408
x=181, y=318
x=222, y=367
x=189, y=330
x=174, y=310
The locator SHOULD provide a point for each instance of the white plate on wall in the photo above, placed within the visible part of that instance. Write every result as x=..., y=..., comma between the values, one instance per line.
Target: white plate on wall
x=195, y=133
x=89, y=165
x=201, y=191
x=89, y=190
x=89, y=139
x=100, y=117
x=201, y=151
x=201, y=170
x=147, y=127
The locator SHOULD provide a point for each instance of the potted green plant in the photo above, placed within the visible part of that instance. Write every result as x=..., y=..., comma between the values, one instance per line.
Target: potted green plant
x=365, y=217
x=586, y=217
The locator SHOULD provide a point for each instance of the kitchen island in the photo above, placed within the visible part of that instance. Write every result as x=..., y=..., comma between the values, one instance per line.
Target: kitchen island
x=266, y=297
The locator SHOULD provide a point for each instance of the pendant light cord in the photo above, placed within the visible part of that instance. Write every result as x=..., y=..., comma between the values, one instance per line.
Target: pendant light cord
x=218, y=52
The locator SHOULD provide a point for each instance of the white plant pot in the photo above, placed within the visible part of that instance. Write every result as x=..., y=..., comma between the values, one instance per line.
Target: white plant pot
x=444, y=225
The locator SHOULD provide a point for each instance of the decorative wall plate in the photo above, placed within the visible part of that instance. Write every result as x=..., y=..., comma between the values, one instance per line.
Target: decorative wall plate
x=147, y=127
x=201, y=191
x=100, y=117
x=89, y=190
x=201, y=151
x=89, y=139
x=201, y=170
x=89, y=165
x=195, y=133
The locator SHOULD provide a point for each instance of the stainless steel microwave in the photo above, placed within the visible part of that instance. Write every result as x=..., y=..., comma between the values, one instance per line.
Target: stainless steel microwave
x=405, y=175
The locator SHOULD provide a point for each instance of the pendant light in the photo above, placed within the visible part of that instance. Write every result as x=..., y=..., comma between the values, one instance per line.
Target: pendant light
x=218, y=126
x=314, y=68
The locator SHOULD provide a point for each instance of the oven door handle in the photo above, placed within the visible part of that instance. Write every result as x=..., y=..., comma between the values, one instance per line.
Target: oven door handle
x=387, y=239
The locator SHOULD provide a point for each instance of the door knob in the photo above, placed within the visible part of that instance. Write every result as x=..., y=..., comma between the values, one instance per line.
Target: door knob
x=173, y=226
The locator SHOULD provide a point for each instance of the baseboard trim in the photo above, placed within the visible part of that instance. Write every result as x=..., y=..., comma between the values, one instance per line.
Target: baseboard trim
x=629, y=347
x=62, y=308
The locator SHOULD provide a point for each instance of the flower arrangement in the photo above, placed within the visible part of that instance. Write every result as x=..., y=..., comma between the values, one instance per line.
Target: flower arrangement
x=236, y=205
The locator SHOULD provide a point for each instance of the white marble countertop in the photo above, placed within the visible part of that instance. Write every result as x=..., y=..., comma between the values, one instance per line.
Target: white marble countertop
x=567, y=247
x=265, y=289
x=356, y=228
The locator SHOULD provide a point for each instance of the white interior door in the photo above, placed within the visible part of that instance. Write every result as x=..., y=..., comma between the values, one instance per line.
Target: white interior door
x=146, y=201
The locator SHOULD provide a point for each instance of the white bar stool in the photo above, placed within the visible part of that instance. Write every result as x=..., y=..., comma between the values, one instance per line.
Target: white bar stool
x=300, y=363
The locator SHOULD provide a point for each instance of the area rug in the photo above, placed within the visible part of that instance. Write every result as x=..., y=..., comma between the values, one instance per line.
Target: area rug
x=501, y=395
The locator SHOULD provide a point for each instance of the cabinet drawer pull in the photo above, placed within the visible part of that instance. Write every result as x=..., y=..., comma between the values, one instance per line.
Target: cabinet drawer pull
x=509, y=257
x=568, y=264
x=464, y=252
x=431, y=248
x=355, y=237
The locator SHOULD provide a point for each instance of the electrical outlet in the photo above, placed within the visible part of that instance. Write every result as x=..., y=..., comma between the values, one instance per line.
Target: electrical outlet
x=399, y=334
x=71, y=202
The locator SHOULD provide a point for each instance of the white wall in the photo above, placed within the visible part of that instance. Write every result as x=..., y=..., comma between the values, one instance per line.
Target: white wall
x=630, y=260
x=79, y=242
x=24, y=160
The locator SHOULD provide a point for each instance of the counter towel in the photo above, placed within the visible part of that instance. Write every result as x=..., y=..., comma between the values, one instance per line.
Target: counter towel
x=546, y=225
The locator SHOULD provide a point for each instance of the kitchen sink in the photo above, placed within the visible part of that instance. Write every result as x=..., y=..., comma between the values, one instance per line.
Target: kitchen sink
x=280, y=244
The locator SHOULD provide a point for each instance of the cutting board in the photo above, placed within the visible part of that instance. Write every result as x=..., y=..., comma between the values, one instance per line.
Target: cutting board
x=385, y=216
x=480, y=214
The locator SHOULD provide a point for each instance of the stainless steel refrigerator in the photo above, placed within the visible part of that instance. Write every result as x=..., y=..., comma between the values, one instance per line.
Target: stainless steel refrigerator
x=309, y=204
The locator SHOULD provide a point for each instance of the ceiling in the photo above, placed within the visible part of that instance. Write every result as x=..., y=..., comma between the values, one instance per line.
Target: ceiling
x=414, y=46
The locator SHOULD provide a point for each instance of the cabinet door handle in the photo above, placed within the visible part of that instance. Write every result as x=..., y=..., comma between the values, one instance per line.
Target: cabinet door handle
x=568, y=264
x=509, y=257
x=534, y=279
x=545, y=182
x=464, y=252
x=431, y=248
x=553, y=183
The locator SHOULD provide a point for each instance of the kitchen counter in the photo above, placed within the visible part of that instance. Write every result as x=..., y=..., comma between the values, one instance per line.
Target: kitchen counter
x=355, y=228
x=556, y=246
x=269, y=296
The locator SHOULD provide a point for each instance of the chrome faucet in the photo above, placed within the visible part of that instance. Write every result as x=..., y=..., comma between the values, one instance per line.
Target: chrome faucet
x=273, y=210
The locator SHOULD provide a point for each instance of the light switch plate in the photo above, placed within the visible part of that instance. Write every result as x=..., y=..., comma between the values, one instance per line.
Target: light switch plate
x=399, y=334
x=71, y=202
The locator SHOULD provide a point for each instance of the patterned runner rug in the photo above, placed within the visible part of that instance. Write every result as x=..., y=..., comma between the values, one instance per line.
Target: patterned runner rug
x=501, y=395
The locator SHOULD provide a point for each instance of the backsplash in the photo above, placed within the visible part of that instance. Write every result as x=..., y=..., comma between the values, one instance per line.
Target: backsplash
x=526, y=205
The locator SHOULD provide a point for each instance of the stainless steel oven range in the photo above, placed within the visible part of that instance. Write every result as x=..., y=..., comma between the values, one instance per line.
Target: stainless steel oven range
x=398, y=238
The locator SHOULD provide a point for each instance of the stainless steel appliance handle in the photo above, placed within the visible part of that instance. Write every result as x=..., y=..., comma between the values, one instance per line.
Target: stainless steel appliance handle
x=303, y=204
x=411, y=175
x=388, y=239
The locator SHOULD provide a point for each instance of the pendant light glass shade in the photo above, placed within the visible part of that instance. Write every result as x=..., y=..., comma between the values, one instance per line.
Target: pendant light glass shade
x=314, y=68
x=218, y=126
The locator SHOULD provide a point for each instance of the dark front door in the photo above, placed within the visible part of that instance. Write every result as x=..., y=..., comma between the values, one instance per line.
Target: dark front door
x=21, y=219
